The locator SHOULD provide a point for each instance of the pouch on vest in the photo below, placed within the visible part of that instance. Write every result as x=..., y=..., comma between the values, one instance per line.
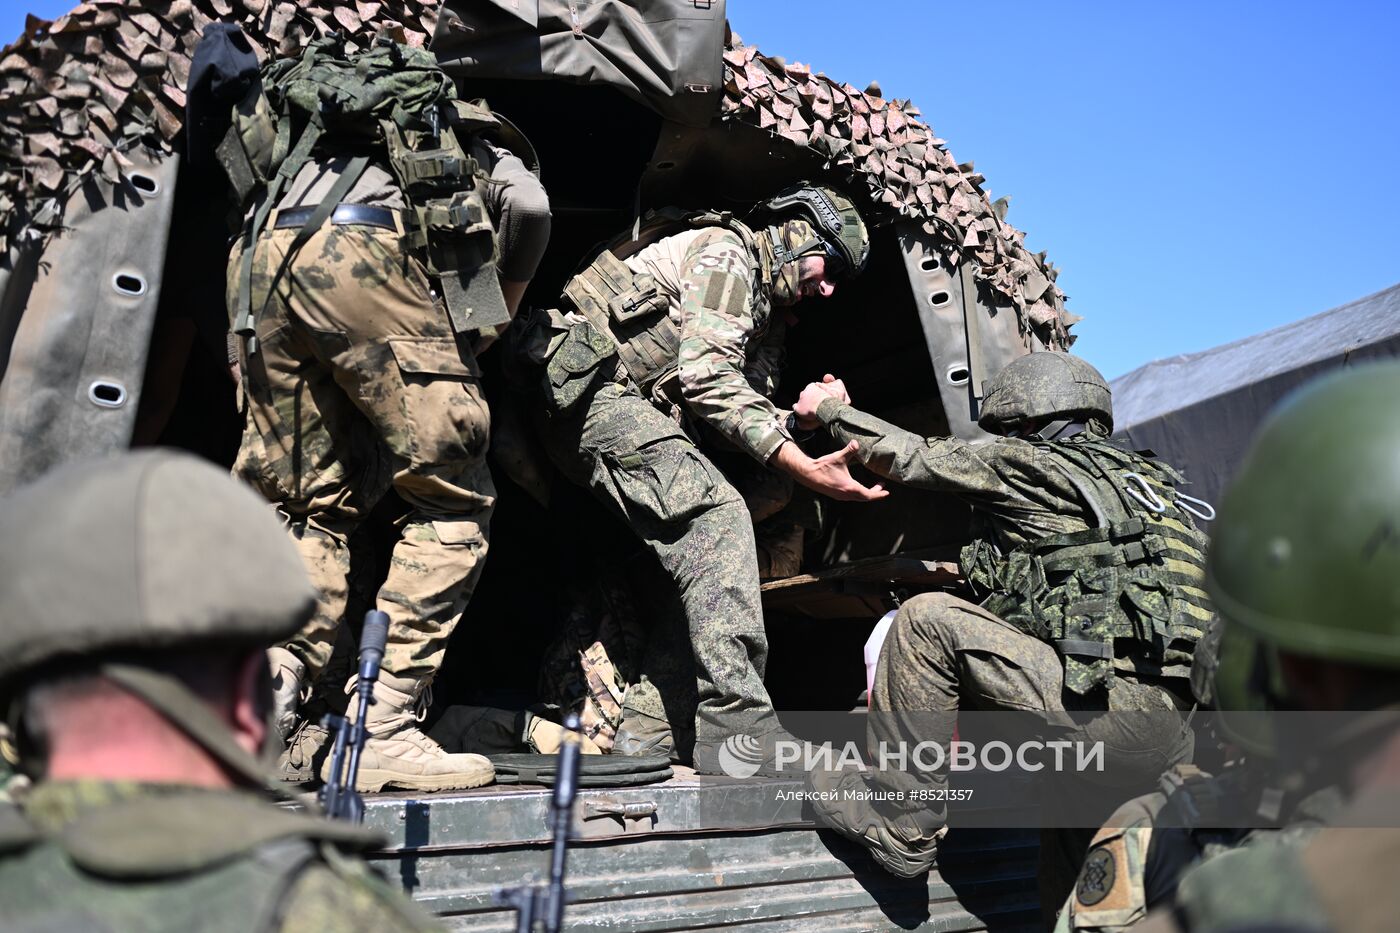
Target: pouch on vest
x=452, y=228
x=576, y=366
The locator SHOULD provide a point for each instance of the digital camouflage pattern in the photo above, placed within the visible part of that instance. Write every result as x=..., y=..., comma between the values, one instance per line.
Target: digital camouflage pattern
x=1121, y=572
x=359, y=384
x=900, y=168
x=1045, y=384
x=1139, y=857
x=243, y=865
x=640, y=464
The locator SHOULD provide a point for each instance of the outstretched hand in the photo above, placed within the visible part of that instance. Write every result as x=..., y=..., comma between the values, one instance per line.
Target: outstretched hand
x=817, y=392
x=829, y=475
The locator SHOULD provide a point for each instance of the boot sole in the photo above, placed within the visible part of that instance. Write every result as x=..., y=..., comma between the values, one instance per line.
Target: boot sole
x=370, y=780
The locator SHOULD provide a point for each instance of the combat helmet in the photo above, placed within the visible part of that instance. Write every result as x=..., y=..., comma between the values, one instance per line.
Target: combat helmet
x=1306, y=548
x=1226, y=671
x=105, y=563
x=1045, y=384
x=841, y=232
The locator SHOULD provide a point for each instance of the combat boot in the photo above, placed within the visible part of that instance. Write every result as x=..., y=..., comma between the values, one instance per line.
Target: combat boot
x=288, y=683
x=301, y=760
x=399, y=754
x=902, y=842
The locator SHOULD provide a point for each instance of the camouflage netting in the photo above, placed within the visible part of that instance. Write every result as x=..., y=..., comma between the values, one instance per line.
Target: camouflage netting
x=904, y=168
x=78, y=93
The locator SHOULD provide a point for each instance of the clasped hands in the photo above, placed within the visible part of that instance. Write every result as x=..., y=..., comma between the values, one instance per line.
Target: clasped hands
x=830, y=474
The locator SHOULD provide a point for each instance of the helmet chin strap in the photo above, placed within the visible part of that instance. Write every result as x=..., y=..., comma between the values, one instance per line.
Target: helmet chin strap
x=1059, y=430
x=782, y=255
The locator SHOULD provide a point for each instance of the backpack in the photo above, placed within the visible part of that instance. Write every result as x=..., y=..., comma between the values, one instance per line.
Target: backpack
x=391, y=101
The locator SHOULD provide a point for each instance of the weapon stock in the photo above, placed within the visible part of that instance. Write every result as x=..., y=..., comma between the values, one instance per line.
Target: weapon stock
x=339, y=797
x=540, y=907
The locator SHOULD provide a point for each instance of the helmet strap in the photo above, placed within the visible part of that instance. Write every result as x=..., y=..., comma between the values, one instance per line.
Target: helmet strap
x=1060, y=430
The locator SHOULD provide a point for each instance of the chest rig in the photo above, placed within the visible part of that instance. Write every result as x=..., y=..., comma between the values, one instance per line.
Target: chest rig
x=1126, y=593
x=631, y=308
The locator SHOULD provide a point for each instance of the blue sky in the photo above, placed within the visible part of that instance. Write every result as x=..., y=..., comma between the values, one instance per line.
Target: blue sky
x=1198, y=171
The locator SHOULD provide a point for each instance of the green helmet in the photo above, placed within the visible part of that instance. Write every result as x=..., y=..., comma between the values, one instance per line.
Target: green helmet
x=1045, y=384
x=1306, y=548
x=1226, y=674
x=843, y=237
x=148, y=550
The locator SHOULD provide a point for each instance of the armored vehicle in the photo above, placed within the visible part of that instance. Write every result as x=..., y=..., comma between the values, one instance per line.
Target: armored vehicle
x=112, y=327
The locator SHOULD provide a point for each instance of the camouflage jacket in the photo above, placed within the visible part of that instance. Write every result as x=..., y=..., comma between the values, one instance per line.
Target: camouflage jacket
x=1342, y=879
x=1076, y=542
x=1017, y=493
x=160, y=857
x=712, y=349
x=1137, y=860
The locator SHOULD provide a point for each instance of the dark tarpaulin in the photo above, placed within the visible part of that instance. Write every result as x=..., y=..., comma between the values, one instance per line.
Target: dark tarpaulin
x=667, y=54
x=1199, y=411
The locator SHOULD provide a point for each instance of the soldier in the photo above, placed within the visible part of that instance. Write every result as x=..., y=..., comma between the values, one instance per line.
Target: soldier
x=1138, y=858
x=360, y=374
x=1054, y=501
x=1306, y=558
x=137, y=596
x=686, y=330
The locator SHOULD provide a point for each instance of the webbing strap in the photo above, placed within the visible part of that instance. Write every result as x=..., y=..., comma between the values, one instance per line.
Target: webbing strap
x=318, y=218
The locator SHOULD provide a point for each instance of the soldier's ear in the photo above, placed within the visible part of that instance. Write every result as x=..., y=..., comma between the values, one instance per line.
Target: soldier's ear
x=251, y=702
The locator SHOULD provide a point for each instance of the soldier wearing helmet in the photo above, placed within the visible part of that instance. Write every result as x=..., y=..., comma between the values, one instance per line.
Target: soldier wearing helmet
x=135, y=668
x=1154, y=840
x=675, y=329
x=1306, y=560
x=1080, y=548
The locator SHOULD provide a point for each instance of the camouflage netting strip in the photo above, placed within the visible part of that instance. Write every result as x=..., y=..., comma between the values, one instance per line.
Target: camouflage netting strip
x=78, y=93
x=904, y=168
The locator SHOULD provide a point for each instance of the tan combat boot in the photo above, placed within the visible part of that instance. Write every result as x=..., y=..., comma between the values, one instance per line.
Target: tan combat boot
x=288, y=682
x=397, y=753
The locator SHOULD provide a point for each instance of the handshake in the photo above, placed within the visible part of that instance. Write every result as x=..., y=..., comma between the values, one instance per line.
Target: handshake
x=805, y=409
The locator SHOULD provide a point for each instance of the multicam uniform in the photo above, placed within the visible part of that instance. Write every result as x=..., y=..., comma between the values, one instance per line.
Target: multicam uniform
x=360, y=383
x=1067, y=646
x=1139, y=857
x=617, y=402
x=99, y=855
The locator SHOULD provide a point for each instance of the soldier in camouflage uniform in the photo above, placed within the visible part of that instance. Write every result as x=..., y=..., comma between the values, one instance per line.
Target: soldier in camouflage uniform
x=1306, y=559
x=684, y=331
x=1138, y=858
x=359, y=383
x=1053, y=503
x=134, y=652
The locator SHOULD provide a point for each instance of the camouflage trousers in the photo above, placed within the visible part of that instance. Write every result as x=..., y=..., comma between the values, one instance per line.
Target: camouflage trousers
x=359, y=384
x=640, y=464
x=944, y=654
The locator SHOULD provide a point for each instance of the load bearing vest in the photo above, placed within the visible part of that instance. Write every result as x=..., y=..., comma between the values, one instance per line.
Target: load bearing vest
x=1126, y=593
x=629, y=306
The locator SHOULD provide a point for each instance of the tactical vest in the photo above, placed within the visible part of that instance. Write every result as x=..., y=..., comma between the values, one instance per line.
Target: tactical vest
x=630, y=308
x=1125, y=593
x=173, y=862
x=392, y=103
